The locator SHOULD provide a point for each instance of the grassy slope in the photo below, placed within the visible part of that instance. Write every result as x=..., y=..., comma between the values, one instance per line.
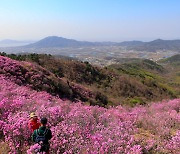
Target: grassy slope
x=130, y=83
x=172, y=76
x=147, y=80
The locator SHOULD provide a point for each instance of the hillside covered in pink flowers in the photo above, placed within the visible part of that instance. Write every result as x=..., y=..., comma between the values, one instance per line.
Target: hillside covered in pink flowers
x=26, y=87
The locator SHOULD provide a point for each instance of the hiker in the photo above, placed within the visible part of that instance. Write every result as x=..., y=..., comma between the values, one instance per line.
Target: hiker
x=33, y=123
x=42, y=136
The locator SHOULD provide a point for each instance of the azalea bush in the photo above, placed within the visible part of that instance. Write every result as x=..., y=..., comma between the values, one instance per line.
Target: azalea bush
x=33, y=76
x=77, y=128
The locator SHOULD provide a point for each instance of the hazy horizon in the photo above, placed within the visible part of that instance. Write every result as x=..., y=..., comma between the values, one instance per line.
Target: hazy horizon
x=32, y=41
x=102, y=20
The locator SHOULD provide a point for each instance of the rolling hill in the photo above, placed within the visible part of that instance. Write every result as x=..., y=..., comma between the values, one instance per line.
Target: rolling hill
x=131, y=43
x=174, y=60
x=139, y=81
x=159, y=44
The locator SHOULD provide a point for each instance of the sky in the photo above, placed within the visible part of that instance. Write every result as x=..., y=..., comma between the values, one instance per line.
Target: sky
x=90, y=20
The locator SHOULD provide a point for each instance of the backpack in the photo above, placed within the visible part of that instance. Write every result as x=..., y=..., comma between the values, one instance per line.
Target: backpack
x=41, y=138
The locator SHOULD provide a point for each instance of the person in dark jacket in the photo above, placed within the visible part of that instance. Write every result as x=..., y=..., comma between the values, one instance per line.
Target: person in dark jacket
x=42, y=136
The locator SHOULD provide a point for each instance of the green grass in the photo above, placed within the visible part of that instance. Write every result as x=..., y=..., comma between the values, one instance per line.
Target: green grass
x=135, y=101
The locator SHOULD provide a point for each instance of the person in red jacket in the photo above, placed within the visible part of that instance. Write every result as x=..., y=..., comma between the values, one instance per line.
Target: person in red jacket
x=33, y=123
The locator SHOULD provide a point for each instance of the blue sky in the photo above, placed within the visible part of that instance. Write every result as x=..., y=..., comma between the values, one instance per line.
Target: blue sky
x=93, y=20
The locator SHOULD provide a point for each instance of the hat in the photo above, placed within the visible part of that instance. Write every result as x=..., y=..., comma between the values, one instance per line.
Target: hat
x=32, y=115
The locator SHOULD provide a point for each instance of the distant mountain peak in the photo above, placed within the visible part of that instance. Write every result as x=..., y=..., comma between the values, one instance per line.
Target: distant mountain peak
x=55, y=41
x=158, y=41
x=54, y=37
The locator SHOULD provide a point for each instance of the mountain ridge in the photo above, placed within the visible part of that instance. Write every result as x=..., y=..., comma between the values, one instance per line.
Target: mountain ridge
x=151, y=46
x=55, y=41
x=158, y=44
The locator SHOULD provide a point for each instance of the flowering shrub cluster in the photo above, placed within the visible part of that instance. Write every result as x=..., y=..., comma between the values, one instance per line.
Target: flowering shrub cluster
x=174, y=144
x=78, y=128
x=38, y=78
x=33, y=76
